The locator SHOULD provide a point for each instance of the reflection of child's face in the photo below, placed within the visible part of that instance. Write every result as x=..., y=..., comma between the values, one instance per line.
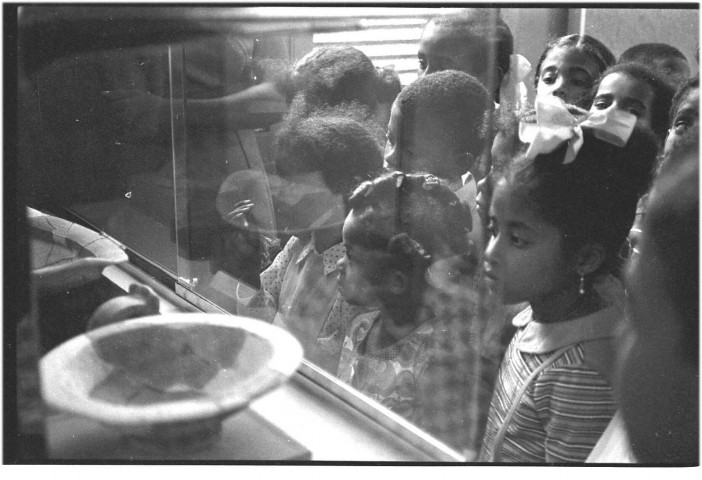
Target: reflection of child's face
x=686, y=121
x=524, y=258
x=443, y=49
x=423, y=151
x=360, y=278
x=623, y=92
x=303, y=198
x=569, y=74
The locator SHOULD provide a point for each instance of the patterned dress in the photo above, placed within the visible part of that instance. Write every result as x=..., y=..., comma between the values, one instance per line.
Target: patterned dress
x=299, y=292
x=569, y=404
x=390, y=375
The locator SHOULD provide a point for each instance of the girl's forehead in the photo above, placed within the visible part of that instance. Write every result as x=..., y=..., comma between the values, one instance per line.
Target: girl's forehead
x=623, y=83
x=691, y=99
x=570, y=55
x=510, y=205
x=507, y=199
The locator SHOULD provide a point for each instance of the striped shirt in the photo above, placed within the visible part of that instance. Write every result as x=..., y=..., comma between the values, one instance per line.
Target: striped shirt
x=567, y=406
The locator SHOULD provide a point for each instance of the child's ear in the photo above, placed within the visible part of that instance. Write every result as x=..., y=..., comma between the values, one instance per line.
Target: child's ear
x=398, y=282
x=589, y=258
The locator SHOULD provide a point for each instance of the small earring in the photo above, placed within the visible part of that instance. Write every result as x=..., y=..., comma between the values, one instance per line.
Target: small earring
x=581, y=290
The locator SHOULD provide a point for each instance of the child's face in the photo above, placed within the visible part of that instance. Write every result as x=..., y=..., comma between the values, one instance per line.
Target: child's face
x=360, y=279
x=623, y=92
x=423, y=151
x=302, y=199
x=653, y=380
x=440, y=48
x=569, y=74
x=524, y=258
x=685, y=122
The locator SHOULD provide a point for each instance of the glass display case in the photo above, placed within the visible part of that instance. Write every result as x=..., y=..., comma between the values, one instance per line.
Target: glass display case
x=151, y=125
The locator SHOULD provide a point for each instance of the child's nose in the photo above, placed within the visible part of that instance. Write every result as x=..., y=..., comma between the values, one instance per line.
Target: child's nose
x=559, y=88
x=492, y=250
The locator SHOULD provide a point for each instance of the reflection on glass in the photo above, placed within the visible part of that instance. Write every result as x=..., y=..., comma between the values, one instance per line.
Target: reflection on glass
x=230, y=160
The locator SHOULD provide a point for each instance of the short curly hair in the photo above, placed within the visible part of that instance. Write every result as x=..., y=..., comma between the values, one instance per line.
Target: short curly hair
x=334, y=141
x=334, y=75
x=482, y=26
x=457, y=102
x=645, y=52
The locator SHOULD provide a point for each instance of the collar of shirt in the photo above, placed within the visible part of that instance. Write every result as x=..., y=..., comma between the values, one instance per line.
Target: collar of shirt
x=329, y=256
x=540, y=338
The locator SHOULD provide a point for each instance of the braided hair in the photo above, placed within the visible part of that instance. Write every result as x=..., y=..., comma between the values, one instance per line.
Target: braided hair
x=415, y=218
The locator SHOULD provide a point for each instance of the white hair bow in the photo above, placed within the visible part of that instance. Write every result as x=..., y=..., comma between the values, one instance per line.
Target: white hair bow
x=513, y=92
x=555, y=125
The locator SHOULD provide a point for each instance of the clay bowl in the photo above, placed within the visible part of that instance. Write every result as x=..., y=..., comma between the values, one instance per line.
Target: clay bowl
x=168, y=381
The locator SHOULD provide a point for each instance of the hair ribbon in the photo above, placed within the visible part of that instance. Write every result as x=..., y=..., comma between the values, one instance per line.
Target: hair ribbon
x=555, y=125
x=513, y=92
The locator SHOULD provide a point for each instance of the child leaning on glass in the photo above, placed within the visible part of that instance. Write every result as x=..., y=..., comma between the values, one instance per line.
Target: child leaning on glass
x=319, y=160
x=400, y=226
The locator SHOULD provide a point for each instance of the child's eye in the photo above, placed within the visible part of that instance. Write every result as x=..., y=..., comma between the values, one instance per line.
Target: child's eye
x=681, y=126
x=635, y=111
x=600, y=104
x=548, y=79
x=517, y=241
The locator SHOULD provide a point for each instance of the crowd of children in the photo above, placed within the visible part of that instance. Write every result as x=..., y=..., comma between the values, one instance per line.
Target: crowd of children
x=478, y=283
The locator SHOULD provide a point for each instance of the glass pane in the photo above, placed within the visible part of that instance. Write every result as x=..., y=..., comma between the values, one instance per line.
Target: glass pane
x=223, y=153
x=229, y=159
x=106, y=152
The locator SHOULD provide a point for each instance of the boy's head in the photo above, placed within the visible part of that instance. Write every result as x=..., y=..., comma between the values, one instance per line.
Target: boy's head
x=476, y=41
x=667, y=60
x=438, y=125
x=320, y=159
x=637, y=89
x=333, y=75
